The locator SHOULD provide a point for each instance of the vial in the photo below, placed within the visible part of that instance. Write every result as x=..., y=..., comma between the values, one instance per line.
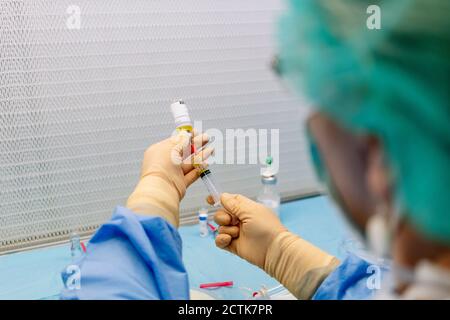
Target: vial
x=181, y=116
x=269, y=195
x=76, y=250
x=183, y=122
x=203, y=222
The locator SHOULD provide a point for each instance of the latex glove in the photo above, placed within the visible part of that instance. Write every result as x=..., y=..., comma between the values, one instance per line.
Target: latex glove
x=165, y=177
x=247, y=228
x=254, y=232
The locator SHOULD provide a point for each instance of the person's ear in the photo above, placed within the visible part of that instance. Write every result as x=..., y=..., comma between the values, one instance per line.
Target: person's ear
x=378, y=176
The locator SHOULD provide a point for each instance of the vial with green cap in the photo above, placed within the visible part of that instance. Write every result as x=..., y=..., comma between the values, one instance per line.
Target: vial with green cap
x=269, y=195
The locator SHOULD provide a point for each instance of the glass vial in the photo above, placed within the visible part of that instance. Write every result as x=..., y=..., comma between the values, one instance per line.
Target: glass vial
x=203, y=222
x=269, y=194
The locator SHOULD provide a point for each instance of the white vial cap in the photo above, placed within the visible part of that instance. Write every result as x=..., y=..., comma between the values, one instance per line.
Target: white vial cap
x=180, y=113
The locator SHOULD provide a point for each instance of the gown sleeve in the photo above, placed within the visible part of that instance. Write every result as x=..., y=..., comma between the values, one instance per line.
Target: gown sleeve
x=354, y=279
x=130, y=257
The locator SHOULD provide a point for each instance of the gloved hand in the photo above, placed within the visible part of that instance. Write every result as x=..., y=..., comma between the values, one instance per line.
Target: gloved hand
x=165, y=177
x=254, y=232
x=247, y=228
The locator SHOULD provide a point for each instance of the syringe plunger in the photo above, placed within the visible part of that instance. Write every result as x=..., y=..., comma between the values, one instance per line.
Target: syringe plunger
x=210, y=184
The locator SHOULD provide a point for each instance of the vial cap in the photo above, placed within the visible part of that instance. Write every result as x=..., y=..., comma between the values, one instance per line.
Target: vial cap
x=180, y=113
x=203, y=216
x=269, y=180
x=268, y=171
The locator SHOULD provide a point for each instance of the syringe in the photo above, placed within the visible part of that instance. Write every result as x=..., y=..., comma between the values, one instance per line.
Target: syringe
x=184, y=123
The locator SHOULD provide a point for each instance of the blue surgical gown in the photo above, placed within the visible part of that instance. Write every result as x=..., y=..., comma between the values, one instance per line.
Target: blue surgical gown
x=139, y=257
x=131, y=257
x=351, y=280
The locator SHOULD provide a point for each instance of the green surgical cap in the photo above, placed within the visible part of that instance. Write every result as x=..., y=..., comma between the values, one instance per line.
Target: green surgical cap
x=392, y=83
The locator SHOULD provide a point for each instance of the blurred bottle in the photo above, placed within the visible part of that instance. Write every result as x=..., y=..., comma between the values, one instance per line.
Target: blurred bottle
x=203, y=222
x=76, y=250
x=269, y=195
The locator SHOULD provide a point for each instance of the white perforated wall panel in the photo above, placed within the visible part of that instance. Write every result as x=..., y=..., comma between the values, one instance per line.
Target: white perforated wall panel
x=78, y=106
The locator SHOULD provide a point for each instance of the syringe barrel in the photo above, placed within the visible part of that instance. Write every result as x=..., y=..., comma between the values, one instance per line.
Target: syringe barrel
x=210, y=184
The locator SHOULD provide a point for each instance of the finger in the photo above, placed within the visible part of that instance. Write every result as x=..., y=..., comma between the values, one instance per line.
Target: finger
x=200, y=159
x=189, y=159
x=181, y=137
x=192, y=173
x=200, y=140
x=191, y=177
x=223, y=240
x=233, y=203
x=195, y=132
x=233, y=231
x=181, y=144
x=222, y=218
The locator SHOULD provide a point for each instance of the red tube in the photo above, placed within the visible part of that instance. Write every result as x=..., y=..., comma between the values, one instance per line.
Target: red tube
x=216, y=284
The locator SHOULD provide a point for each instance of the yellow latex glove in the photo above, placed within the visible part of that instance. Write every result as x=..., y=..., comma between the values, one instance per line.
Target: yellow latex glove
x=165, y=177
x=247, y=228
x=253, y=232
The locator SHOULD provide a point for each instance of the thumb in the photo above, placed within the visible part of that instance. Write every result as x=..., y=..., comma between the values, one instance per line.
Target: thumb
x=234, y=203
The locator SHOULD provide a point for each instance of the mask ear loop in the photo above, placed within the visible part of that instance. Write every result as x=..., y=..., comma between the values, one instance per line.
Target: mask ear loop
x=379, y=234
x=387, y=225
x=381, y=228
x=400, y=275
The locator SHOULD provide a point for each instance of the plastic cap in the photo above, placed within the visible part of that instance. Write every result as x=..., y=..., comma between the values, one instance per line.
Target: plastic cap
x=180, y=113
x=203, y=216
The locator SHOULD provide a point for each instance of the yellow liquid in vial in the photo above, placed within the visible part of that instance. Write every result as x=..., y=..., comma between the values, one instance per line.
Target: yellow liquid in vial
x=187, y=128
